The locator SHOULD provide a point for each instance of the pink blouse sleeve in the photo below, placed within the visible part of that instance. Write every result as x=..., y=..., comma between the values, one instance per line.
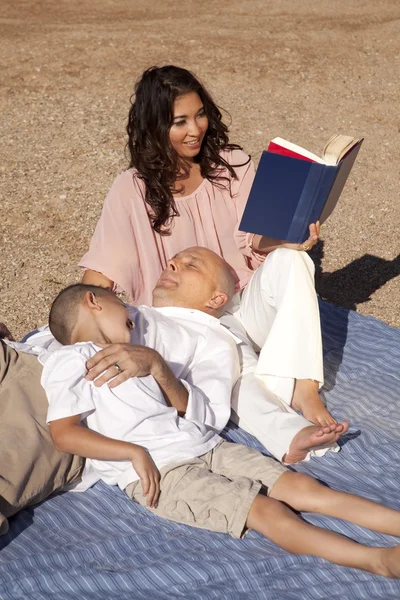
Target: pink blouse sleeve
x=240, y=189
x=112, y=249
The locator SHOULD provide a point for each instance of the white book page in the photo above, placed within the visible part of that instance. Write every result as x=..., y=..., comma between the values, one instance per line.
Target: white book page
x=337, y=147
x=338, y=186
x=295, y=148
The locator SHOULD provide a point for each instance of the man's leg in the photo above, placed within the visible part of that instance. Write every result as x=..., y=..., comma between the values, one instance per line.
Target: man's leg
x=288, y=436
x=279, y=310
x=285, y=434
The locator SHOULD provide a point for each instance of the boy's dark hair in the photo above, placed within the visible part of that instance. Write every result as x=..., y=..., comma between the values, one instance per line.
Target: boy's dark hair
x=65, y=309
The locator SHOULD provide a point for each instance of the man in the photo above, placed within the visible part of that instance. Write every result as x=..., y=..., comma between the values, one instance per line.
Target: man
x=199, y=280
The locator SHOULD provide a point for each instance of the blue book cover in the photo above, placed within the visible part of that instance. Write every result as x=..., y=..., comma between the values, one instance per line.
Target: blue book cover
x=290, y=193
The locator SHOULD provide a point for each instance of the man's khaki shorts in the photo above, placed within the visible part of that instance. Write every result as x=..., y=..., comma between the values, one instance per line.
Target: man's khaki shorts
x=214, y=491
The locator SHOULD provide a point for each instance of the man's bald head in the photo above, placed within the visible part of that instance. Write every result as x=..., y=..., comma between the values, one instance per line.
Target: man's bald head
x=196, y=278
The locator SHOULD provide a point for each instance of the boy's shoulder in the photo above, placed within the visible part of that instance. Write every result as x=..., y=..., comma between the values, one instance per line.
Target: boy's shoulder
x=85, y=349
x=71, y=360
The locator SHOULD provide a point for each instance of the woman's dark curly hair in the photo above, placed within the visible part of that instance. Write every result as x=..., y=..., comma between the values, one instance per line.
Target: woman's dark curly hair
x=152, y=154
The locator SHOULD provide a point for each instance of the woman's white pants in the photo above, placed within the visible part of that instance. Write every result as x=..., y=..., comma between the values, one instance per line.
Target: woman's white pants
x=279, y=311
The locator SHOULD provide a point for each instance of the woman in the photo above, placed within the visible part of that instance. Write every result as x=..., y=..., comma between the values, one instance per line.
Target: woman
x=188, y=186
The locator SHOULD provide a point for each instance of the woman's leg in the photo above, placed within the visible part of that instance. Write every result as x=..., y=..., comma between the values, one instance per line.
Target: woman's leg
x=303, y=493
x=281, y=525
x=279, y=310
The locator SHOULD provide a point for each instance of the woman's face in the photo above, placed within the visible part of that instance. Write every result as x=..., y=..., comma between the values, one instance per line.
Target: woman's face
x=189, y=125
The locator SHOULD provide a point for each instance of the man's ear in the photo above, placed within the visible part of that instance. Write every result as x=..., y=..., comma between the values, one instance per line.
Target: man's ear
x=217, y=301
x=91, y=301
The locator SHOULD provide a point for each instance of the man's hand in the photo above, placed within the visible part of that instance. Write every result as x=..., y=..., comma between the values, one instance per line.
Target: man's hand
x=5, y=333
x=136, y=361
x=132, y=361
x=148, y=473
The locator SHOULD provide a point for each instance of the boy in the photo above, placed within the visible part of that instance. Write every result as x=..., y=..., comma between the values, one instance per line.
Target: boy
x=156, y=436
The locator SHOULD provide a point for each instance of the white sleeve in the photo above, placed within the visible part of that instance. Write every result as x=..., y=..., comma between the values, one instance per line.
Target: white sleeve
x=63, y=379
x=212, y=375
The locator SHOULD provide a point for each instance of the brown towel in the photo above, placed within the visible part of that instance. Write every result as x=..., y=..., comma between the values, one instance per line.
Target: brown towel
x=30, y=467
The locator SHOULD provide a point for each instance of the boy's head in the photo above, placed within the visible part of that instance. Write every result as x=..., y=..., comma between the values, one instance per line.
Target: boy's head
x=83, y=313
x=196, y=278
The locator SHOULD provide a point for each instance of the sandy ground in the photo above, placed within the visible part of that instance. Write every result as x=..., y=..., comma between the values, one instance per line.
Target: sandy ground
x=300, y=70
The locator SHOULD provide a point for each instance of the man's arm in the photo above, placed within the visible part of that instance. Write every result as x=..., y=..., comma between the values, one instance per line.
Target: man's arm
x=174, y=391
x=212, y=375
x=137, y=361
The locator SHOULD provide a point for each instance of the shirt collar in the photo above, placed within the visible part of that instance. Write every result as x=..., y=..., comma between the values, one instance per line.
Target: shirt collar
x=192, y=314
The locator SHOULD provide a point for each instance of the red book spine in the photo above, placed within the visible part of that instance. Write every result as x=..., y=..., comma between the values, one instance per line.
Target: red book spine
x=276, y=149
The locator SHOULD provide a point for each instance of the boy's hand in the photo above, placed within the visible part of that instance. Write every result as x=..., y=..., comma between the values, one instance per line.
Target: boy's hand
x=148, y=473
x=132, y=361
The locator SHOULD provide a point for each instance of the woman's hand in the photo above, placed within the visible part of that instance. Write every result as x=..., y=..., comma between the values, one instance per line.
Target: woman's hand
x=119, y=362
x=308, y=244
x=148, y=473
x=5, y=333
x=265, y=245
x=95, y=278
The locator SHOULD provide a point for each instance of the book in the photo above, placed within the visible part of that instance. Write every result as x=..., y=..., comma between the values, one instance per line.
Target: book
x=294, y=187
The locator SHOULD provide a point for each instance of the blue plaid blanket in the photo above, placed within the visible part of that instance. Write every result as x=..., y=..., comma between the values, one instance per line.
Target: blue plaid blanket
x=99, y=545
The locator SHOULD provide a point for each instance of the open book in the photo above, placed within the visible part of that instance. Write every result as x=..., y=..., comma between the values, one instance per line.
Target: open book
x=335, y=149
x=294, y=187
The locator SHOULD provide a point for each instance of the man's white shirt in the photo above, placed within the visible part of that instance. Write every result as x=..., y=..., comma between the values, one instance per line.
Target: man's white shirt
x=201, y=353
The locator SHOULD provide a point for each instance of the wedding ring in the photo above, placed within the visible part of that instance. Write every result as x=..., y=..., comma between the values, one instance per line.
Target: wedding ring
x=305, y=248
x=118, y=368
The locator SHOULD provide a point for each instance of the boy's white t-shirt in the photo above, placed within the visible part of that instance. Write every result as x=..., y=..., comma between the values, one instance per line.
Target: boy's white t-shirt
x=202, y=356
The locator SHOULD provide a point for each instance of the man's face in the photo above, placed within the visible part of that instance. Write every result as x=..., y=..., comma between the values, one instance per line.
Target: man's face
x=189, y=280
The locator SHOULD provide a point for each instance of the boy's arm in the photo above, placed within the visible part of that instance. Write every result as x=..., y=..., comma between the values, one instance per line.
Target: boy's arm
x=69, y=435
x=70, y=396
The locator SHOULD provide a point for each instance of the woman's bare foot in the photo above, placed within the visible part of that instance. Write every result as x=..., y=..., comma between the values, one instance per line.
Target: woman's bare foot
x=313, y=438
x=307, y=400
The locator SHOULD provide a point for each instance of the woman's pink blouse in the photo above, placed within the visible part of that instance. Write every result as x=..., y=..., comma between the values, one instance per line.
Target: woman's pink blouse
x=130, y=253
